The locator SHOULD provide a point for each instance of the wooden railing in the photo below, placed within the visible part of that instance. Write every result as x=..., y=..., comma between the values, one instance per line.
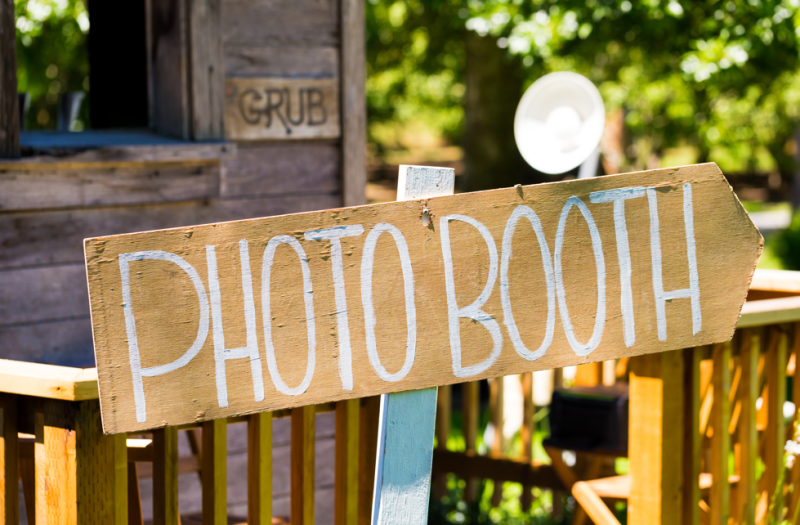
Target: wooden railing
x=682, y=469
x=51, y=439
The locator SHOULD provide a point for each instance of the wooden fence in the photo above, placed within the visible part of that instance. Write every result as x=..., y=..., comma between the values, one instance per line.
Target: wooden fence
x=51, y=438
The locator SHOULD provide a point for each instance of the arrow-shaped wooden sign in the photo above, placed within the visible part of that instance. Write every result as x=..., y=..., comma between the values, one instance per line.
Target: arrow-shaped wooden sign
x=219, y=320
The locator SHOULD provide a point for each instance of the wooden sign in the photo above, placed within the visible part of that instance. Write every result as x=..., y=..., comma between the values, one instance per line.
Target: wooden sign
x=219, y=320
x=281, y=108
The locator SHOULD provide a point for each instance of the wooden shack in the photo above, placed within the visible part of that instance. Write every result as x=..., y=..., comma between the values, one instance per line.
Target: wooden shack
x=201, y=111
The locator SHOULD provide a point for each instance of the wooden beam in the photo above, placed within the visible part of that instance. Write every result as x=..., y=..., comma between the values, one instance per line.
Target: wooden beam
x=354, y=107
x=444, y=404
x=405, y=453
x=593, y=505
x=347, y=467
x=368, y=451
x=102, y=469
x=48, y=381
x=206, y=70
x=214, y=472
x=9, y=464
x=55, y=463
x=656, y=436
x=496, y=401
x=170, y=68
x=748, y=435
x=527, y=432
x=259, y=469
x=775, y=435
x=692, y=439
x=165, y=476
x=529, y=473
x=719, y=498
x=302, y=492
x=9, y=104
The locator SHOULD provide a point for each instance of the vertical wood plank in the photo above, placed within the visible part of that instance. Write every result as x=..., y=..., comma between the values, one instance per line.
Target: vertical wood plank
x=165, y=476
x=354, y=108
x=692, y=439
x=215, y=472
x=656, y=438
x=302, y=492
x=259, y=469
x=748, y=436
x=470, y=408
x=590, y=374
x=402, y=477
x=170, y=81
x=368, y=452
x=496, y=401
x=55, y=465
x=102, y=469
x=719, y=498
x=135, y=516
x=9, y=462
x=27, y=474
x=443, y=416
x=9, y=112
x=526, y=432
x=206, y=70
x=348, y=415
x=775, y=435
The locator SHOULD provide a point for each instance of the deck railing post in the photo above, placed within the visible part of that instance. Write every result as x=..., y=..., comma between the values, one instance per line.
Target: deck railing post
x=656, y=439
x=9, y=452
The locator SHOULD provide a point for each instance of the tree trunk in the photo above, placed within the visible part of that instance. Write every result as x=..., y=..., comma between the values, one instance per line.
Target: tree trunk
x=494, y=86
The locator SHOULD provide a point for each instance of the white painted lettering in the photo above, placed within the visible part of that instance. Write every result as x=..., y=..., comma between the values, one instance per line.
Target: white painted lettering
x=308, y=299
x=581, y=349
x=250, y=351
x=618, y=197
x=367, y=262
x=508, y=317
x=130, y=324
x=342, y=326
x=473, y=311
x=693, y=292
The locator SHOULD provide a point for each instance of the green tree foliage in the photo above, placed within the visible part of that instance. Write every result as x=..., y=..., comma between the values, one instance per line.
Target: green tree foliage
x=720, y=77
x=52, y=56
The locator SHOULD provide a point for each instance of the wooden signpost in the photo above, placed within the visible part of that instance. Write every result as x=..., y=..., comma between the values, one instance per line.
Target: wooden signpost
x=205, y=322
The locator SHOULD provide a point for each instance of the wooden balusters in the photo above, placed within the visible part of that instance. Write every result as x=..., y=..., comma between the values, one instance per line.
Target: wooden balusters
x=302, y=491
x=215, y=472
x=470, y=410
x=748, y=436
x=692, y=440
x=9, y=451
x=348, y=414
x=526, y=432
x=259, y=469
x=368, y=451
x=496, y=400
x=795, y=472
x=775, y=435
x=719, y=499
x=55, y=460
x=165, y=476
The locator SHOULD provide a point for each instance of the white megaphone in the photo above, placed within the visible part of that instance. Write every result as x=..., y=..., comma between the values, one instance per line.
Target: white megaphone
x=559, y=123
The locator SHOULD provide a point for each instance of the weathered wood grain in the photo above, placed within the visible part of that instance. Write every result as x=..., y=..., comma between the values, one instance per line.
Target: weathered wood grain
x=48, y=381
x=43, y=293
x=55, y=458
x=9, y=466
x=282, y=108
x=55, y=237
x=9, y=112
x=52, y=187
x=282, y=168
x=206, y=69
x=281, y=61
x=726, y=246
x=280, y=22
x=354, y=107
x=66, y=342
x=171, y=104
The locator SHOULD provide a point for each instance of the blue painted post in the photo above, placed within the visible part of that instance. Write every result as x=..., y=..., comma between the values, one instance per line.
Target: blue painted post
x=408, y=419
